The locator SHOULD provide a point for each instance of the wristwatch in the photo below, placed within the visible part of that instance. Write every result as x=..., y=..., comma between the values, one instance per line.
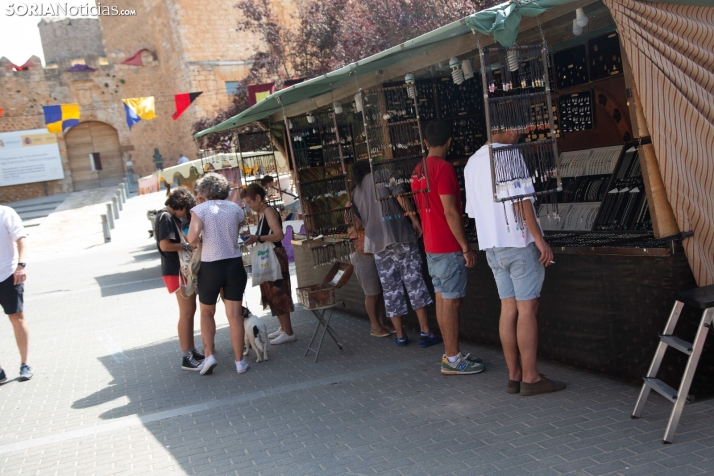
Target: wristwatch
x=23, y=264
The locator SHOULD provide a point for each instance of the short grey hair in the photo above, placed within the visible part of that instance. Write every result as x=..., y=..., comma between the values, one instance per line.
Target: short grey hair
x=213, y=186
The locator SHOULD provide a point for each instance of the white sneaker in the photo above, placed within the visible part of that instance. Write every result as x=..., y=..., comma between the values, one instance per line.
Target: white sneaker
x=208, y=365
x=242, y=366
x=275, y=334
x=283, y=339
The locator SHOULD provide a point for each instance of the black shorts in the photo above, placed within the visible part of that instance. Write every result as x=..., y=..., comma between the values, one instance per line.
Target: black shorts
x=226, y=274
x=11, y=296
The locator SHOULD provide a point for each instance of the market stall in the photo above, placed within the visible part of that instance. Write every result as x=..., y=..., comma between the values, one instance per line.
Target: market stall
x=613, y=210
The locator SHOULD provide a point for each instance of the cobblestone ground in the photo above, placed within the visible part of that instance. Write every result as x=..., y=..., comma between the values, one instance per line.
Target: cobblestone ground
x=109, y=396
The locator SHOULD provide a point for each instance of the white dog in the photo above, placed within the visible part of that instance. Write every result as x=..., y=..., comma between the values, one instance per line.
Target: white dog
x=256, y=335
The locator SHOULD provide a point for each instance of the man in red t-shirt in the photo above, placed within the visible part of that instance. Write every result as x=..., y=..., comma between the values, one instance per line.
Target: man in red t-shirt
x=448, y=252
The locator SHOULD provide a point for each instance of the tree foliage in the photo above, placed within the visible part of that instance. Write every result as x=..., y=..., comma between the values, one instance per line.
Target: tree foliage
x=328, y=35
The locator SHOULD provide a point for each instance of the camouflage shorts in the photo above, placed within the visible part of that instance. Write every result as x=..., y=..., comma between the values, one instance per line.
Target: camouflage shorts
x=400, y=266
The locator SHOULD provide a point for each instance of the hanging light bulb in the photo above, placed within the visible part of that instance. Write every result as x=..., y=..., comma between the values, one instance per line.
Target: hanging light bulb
x=456, y=73
x=358, y=102
x=467, y=69
x=337, y=107
x=310, y=118
x=577, y=30
x=513, y=60
x=411, y=90
x=580, y=18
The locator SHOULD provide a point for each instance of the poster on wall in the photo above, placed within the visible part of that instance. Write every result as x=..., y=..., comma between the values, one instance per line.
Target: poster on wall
x=29, y=156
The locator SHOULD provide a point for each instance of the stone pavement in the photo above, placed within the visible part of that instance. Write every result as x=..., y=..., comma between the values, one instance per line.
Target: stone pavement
x=109, y=396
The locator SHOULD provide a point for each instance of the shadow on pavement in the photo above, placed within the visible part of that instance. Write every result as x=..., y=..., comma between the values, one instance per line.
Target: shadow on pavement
x=379, y=409
x=130, y=282
x=143, y=249
x=146, y=256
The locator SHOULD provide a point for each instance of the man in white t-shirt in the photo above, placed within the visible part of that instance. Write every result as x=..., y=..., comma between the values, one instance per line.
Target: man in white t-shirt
x=12, y=279
x=517, y=254
x=182, y=159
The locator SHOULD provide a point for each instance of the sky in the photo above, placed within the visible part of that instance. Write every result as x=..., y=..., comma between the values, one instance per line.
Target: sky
x=19, y=35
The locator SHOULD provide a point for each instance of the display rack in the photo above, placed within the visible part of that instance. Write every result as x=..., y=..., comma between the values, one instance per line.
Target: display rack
x=603, y=190
x=395, y=148
x=262, y=162
x=322, y=145
x=524, y=83
x=625, y=204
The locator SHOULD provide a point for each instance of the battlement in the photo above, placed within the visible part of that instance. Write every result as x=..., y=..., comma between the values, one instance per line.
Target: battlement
x=70, y=38
x=64, y=65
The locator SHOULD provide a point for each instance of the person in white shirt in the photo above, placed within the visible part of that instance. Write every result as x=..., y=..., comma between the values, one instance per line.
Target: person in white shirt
x=517, y=254
x=182, y=159
x=215, y=224
x=12, y=282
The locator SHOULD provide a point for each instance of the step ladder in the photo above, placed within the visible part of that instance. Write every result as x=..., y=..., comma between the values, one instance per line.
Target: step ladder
x=700, y=298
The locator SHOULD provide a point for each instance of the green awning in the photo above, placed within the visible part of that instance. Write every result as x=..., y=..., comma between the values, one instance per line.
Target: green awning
x=501, y=21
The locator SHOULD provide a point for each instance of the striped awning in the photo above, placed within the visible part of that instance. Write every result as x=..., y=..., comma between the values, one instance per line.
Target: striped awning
x=671, y=51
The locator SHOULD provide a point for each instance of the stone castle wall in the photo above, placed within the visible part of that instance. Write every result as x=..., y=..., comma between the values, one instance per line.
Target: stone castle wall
x=195, y=47
x=99, y=95
x=69, y=39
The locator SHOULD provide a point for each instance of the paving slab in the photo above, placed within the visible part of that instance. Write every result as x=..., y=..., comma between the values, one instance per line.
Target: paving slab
x=109, y=396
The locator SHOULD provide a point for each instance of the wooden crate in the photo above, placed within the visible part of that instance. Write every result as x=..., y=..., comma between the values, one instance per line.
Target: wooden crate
x=323, y=294
x=317, y=295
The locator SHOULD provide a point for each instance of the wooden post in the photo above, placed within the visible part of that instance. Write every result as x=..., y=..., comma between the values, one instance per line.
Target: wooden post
x=663, y=220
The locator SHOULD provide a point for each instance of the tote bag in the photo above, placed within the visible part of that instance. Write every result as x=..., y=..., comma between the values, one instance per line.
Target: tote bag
x=190, y=264
x=264, y=263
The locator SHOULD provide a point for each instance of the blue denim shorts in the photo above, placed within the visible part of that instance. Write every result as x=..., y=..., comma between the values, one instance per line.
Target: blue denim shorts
x=448, y=273
x=517, y=271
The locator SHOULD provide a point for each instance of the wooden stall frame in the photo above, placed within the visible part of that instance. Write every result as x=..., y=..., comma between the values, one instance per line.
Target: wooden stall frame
x=663, y=221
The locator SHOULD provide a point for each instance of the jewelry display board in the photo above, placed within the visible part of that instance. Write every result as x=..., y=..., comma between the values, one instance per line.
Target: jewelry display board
x=577, y=111
x=573, y=216
x=600, y=161
x=461, y=106
x=604, y=56
x=538, y=112
x=625, y=204
x=459, y=100
x=468, y=135
x=400, y=107
x=571, y=67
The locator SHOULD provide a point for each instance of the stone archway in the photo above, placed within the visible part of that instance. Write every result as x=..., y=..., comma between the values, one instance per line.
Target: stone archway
x=94, y=155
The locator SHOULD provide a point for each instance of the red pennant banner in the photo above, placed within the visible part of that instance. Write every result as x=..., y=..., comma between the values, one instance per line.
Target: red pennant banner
x=183, y=101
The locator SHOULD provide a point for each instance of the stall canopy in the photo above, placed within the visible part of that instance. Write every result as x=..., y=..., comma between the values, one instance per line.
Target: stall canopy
x=670, y=44
x=501, y=21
